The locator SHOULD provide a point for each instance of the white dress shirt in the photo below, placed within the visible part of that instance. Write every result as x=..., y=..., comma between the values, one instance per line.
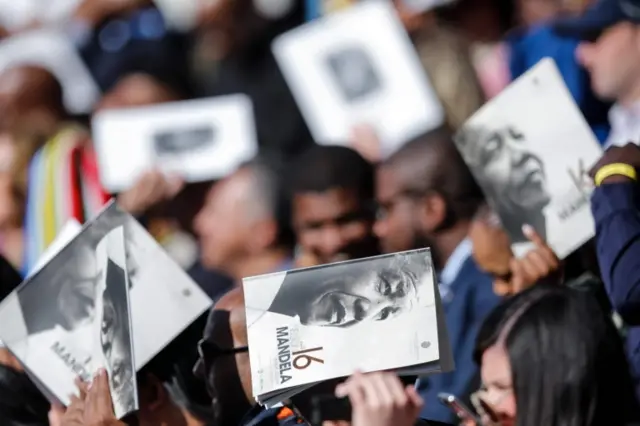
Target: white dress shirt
x=625, y=125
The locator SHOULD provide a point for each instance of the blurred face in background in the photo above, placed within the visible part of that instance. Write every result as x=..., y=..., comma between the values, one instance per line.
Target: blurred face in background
x=531, y=12
x=496, y=394
x=136, y=90
x=396, y=225
x=222, y=224
x=237, y=23
x=333, y=225
x=613, y=62
x=30, y=100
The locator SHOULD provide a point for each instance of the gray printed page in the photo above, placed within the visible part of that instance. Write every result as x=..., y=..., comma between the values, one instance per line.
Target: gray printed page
x=530, y=149
x=310, y=325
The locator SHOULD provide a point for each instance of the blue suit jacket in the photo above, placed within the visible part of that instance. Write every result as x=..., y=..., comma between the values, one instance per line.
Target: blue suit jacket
x=470, y=301
x=616, y=210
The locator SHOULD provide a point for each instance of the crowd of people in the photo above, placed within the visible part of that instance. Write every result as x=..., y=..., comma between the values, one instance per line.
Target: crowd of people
x=536, y=340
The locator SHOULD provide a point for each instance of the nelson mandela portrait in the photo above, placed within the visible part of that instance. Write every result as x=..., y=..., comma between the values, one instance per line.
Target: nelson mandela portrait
x=512, y=177
x=348, y=293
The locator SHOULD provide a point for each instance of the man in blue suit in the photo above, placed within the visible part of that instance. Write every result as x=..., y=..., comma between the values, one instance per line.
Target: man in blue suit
x=427, y=198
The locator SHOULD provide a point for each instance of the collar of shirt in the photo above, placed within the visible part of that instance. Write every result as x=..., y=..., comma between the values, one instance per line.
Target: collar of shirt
x=452, y=268
x=625, y=124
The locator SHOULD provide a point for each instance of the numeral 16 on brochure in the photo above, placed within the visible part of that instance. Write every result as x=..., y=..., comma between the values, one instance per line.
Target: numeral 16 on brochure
x=301, y=360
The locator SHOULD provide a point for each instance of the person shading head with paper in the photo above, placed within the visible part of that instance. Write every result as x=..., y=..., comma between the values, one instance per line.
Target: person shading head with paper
x=224, y=366
x=512, y=176
x=333, y=204
x=347, y=294
x=223, y=363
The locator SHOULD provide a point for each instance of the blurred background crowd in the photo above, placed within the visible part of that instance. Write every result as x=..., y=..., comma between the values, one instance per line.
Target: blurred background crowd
x=552, y=353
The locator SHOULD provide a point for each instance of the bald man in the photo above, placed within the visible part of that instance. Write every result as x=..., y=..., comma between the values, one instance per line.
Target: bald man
x=245, y=226
x=30, y=98
x=427, y=198
x=224, y=365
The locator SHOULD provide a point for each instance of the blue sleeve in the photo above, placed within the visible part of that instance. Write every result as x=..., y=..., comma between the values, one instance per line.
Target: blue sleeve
x=459, y=382
x=617, y=220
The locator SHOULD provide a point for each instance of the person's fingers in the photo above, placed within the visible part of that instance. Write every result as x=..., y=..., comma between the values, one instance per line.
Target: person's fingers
x=373, y=397
x=518, y=275
x=413, y=396
x=336, y=423
x=529, y=270
x=365, y=140
x=157, y=185
x=395, y=389
x=82, y=387
x=102, y=389
x=533, y=236
x=342, y=389
x=414, y=402
x=537, y=264
x=377, y=382
x=542, y=246
x=173, y=185
x=355, y=391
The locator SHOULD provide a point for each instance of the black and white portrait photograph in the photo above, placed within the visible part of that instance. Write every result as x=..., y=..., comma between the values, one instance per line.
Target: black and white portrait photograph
x=529, y=148
x=183, y=141
x=344, y=316
x=348, y=294
x=511, y=174
x=57, y=310
x=199, y=140
x=358, y=66
x=113, y=326
x=76, y=317
x=353, y=72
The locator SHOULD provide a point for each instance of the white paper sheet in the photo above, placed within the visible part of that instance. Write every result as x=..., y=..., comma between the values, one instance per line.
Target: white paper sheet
x=199, y=140
x=356, y=67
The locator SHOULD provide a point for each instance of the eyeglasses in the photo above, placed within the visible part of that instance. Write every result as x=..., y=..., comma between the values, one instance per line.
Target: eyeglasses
x=209, y=352
x=484, y=408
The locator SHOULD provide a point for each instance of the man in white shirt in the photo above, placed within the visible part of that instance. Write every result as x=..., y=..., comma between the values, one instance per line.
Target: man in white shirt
x=610, y=51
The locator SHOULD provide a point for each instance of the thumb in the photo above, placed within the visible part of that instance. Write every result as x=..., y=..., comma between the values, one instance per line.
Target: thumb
x=174, y=185
x=56, y=412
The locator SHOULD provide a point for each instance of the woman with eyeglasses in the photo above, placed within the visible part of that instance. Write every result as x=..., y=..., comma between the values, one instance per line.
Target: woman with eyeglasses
x=550, y=356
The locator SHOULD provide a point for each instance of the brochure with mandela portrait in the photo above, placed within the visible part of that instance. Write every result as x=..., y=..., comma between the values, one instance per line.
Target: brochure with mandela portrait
x=199, y=140
x=315, y=324
x=356, y=67
x=71, y=317
x=65, y=340
x=530, y=150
